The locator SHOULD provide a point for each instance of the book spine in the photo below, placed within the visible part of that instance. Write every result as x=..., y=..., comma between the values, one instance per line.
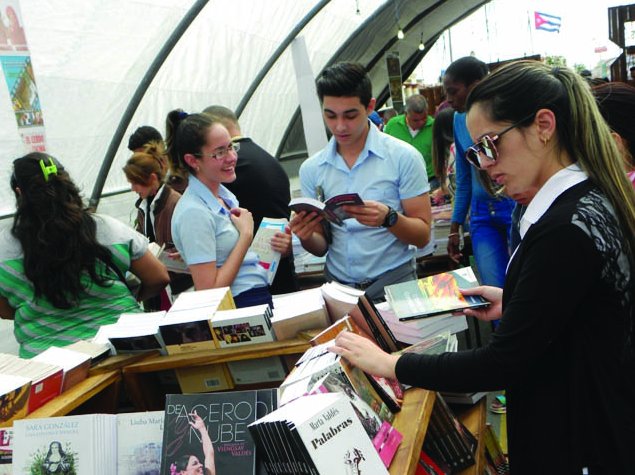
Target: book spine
x=459, y=447
x=465, y=443
x=382, y=326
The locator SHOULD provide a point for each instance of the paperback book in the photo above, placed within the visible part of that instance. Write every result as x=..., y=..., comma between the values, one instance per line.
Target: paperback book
x=268, y=258
x=331, y=210
x=139, y=439
x=434, y=295
x=210, y=430
x=316, y=434
x=80, y=445
x=6, y=451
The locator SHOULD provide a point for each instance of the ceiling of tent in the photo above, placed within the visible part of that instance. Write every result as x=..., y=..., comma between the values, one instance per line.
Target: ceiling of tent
x=89, y=58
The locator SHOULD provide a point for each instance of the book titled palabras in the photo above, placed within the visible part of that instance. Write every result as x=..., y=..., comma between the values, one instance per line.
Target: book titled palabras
x=317, y=434
x=221, y=418
x=331, y=209
x=434, y=295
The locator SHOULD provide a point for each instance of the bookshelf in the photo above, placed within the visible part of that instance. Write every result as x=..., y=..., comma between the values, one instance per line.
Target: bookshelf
x=146, y=393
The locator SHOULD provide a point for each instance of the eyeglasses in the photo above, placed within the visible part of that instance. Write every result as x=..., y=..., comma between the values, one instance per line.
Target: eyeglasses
x=486, y=146
x=222, y=152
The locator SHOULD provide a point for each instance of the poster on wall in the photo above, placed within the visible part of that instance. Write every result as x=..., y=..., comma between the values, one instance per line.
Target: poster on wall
x=394, y=81
x=19, y=77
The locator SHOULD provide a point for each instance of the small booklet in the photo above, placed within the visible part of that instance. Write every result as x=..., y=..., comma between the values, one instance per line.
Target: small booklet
x=162, y=253
x=261, y=245
x=434, y=295
x=331, y=209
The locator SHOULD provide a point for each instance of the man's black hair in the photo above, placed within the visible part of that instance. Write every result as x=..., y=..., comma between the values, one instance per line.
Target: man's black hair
x=345, y=80
x=467, y=70
x=142, y=136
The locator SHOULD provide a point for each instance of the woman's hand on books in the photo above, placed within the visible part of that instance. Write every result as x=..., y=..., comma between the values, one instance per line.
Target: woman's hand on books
x=365, y=354
x=492, y=294
x=281, y=242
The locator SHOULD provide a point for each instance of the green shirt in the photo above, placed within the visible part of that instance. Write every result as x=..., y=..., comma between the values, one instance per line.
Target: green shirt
x=397, y=127
x=38, y=324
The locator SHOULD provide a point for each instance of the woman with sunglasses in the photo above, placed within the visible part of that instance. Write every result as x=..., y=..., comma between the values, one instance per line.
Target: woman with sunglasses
x=62, y=267
x=566, y=339
x=212, y=233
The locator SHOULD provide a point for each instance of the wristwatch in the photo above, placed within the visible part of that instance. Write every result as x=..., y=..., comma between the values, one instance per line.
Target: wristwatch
x=391, y=218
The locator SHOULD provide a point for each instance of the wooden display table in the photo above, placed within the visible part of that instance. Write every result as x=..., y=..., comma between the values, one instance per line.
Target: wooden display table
x=412, y=422
x=145, y=391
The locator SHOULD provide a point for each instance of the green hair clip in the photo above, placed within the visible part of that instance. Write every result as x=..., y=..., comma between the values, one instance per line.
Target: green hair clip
x=48, y=169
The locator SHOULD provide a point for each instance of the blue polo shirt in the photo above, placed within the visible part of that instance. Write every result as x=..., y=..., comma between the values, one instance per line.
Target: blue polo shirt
x=203, y=232
x=387, y=170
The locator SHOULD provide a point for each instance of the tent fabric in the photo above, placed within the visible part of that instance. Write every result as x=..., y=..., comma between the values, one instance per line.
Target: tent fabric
x=89, y=57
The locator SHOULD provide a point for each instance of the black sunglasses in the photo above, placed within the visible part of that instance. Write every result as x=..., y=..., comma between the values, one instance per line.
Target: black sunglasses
x=486, y=146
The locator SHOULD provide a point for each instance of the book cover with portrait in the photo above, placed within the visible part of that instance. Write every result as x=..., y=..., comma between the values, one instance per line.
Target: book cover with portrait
x=70, y=445
x=207, y=433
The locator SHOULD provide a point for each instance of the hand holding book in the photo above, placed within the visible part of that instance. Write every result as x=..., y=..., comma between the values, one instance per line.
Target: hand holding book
x=494, y=295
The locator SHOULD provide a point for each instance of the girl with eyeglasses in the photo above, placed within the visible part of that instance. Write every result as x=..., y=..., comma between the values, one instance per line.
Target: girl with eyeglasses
x=62, y=267
x=146, y=171
x=210, y=230
x=565, y=346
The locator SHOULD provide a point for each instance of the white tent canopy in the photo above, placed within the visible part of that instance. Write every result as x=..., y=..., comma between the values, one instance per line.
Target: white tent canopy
x=89, y=58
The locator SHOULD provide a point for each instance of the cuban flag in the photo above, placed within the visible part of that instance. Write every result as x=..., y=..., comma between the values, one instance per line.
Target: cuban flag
x=543, y=21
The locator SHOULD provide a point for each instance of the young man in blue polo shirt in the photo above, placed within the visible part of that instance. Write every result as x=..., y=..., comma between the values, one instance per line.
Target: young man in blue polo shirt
x=376, y=248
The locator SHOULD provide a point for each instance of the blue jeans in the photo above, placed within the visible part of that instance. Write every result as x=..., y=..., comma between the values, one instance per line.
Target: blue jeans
x=251, y=297
x=490, y=224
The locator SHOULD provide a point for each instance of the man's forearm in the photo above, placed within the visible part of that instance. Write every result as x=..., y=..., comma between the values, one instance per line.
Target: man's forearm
x=316, y=244
x=413, y=231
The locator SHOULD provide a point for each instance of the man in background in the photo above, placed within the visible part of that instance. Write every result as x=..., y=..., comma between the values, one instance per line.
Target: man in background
x=261, y=186
x=143, y=136
x=415, y=127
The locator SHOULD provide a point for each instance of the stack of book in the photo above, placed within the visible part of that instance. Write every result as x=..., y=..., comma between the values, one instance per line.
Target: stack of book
x=298, y=311
x=187, y=327
x=6, y=451
x=316, y=434
x=447, y=441
x=89, y=444
x=438, y=294
x=74, y=363
x=133, y=333
x=14, y=397
x=248, y=326
x=213, y=429
x=419, y=309
x=45, y=378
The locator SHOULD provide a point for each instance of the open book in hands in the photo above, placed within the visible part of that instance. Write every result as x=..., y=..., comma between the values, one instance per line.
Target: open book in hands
x=331, y=209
